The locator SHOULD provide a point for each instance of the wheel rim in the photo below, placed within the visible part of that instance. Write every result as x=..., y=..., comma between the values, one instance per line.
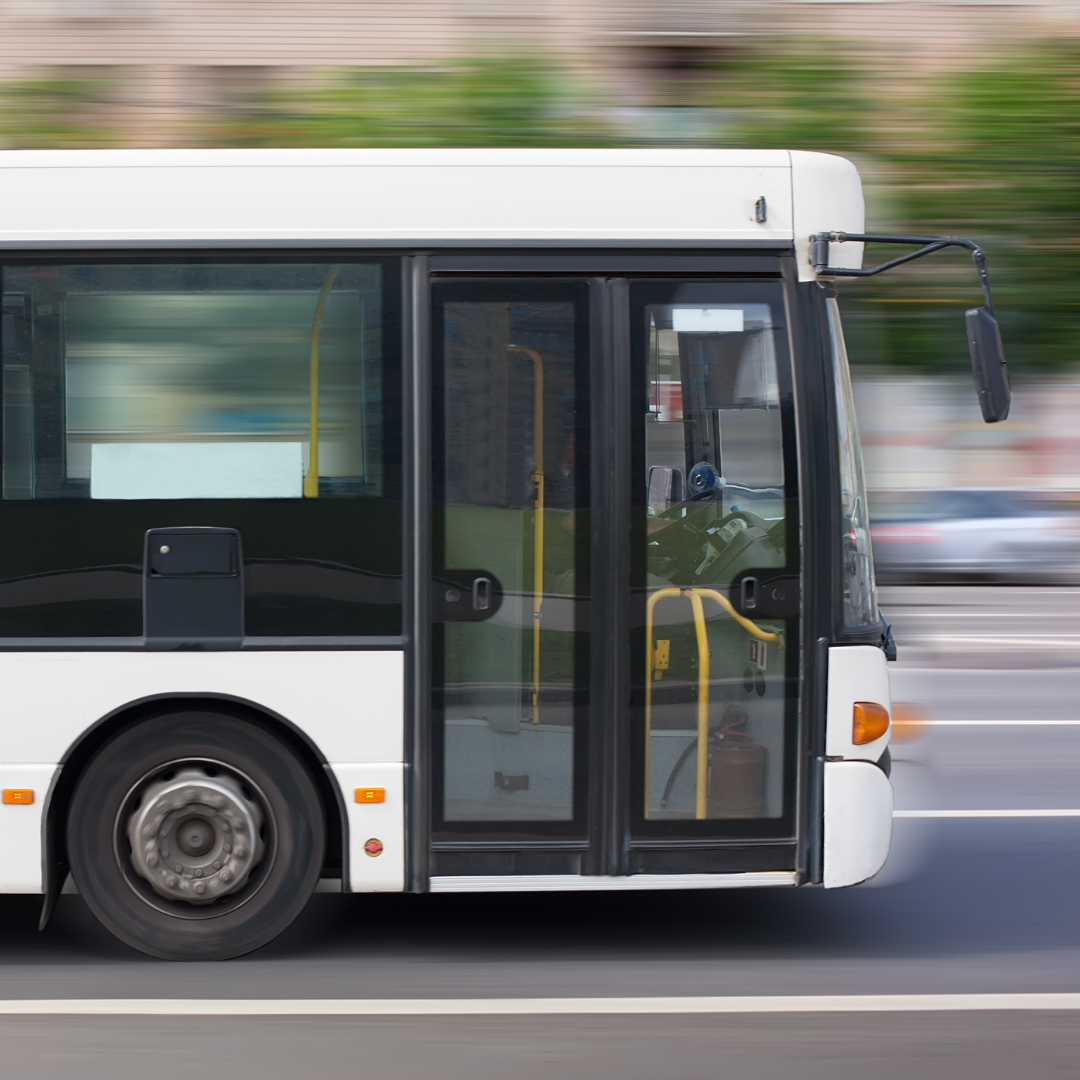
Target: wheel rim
x=195, y=838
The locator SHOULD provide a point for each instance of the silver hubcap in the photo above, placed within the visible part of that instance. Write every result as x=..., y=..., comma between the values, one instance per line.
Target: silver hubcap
x=196, y=837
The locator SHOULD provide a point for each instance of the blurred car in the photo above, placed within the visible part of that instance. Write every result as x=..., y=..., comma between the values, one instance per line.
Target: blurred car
x=971, y=533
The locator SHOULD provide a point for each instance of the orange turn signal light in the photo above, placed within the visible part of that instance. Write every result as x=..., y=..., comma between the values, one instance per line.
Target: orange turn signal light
x=18, y=796
x=869, y=721
x=370, y=794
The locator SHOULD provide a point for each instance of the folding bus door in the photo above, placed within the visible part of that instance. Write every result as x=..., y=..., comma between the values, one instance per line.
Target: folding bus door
x=510, y=567
x=615, y=576
x=715, y=578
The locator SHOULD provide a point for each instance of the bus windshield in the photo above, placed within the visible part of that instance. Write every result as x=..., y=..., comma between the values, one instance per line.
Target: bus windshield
x=856, y=559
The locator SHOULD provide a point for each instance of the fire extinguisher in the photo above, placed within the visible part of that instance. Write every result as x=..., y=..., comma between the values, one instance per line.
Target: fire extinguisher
x=737, y=768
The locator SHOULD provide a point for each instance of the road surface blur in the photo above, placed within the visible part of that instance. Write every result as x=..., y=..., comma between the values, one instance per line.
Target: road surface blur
x=967, y=905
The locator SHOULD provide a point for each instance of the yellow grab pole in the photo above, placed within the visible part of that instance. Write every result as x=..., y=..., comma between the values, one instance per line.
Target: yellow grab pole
x=538, y=515
x=702, y=703
x=694, y=595
x=746, y=624
x=311, y=481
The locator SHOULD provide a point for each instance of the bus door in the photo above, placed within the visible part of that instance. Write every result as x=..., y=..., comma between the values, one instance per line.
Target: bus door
x=714, y=578
x=613, y=619
x=510, y=555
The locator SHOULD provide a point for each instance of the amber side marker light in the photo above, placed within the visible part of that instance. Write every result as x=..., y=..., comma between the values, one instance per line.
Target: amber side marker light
x=18, y=796
x=370, y=794
x=869, y=721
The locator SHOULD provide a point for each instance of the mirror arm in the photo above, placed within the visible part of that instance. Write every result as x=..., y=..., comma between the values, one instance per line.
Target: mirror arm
x=819, y=254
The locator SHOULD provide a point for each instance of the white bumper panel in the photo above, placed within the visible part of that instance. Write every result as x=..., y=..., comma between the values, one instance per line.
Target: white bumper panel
x=383, y=821
x=856, y=673
x=858, y=822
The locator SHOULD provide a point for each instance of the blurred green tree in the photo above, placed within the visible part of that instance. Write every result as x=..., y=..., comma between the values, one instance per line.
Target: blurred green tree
x=1002, y=161
x=51, y=113
x=480, y=101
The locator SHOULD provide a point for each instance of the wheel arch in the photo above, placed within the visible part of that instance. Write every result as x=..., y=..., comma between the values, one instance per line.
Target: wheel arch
x=54, y=868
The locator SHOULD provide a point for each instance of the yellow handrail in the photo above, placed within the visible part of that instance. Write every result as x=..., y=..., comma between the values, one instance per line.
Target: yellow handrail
x=311, y=481
x=694, y=595
x=538, y=515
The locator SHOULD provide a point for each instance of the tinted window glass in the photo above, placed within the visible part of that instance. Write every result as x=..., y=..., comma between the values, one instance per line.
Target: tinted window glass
x=510, y=545
x=260, y=395
x=718, y=585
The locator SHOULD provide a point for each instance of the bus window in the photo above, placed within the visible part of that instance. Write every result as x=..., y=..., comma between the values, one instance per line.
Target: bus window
x=260, y=395
x=857, y=561
x=720, y=571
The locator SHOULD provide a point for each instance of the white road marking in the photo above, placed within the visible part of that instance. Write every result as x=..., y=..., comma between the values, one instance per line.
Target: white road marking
x=596, y=1006
x=985, y=813
x=1009, y=673
x=1033, y=615
x=986, y=723
x=1058, y=641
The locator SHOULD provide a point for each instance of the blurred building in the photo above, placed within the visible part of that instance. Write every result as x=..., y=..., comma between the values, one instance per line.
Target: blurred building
x=929, y=433
x=166, y=61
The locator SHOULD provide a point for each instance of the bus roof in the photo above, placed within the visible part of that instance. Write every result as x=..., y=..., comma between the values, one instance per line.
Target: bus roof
x=125, y=198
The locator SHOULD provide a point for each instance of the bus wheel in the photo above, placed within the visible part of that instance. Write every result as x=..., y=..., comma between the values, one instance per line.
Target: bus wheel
x=195, y=836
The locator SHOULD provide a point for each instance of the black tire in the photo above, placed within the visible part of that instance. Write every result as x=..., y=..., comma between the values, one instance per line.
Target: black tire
x=293, y=833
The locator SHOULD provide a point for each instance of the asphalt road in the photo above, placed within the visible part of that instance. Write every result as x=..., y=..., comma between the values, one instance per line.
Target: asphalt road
x=967, y=905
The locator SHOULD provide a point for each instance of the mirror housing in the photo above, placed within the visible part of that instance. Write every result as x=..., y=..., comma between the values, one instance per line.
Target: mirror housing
x=984, y=338
x=988, y=365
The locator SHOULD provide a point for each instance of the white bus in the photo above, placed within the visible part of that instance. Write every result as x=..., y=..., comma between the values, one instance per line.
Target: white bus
x=432, y=521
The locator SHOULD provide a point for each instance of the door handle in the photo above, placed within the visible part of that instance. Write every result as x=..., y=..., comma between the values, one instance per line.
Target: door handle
x=748, y=588
x=481, y=593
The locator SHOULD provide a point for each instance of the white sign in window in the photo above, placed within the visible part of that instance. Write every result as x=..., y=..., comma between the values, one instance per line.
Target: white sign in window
x=707, y=320
x=223, y=470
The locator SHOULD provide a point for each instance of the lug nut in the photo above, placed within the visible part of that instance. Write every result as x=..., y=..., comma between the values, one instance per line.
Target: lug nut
x=200, y=888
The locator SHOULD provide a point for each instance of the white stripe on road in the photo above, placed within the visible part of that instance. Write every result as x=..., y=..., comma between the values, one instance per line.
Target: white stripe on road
x=985, y=813
x=986, y=723
x=1058, y=641
x=597, y=1006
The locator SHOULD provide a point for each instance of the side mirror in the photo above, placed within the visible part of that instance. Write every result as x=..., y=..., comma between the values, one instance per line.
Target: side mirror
x=988, y=364
x=665, y=488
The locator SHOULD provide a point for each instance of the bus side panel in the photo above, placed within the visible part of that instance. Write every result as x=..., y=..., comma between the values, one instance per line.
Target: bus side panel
x=375, y=805
x=349, y=704
x=858, y=822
